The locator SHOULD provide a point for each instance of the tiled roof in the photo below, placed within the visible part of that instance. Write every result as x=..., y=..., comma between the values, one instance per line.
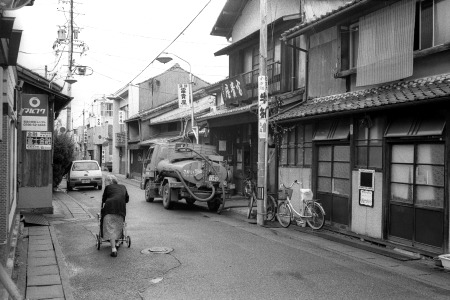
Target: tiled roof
x=183, y=112
x=401, y=92
x=227, y=112
x=321, y=17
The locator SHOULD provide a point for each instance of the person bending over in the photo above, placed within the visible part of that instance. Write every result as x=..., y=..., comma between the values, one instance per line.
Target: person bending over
x=113, y=212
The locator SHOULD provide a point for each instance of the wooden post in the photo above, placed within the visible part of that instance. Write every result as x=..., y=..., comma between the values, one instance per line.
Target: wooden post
x=263, y=117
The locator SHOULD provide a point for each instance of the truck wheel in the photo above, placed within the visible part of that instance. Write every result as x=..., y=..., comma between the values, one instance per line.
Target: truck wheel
x=190, y=202
x=213, y=205
x=147, y=193
x=166, y=197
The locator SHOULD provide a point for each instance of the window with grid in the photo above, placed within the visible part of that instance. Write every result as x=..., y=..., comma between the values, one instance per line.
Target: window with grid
x=368, y=143
x=296, y=146
x=432, y=23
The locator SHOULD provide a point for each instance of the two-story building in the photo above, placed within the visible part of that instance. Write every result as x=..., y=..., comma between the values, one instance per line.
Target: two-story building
x=233, y=121
x=370, y=138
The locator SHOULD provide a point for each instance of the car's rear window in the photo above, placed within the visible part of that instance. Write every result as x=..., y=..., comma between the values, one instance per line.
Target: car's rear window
x=85, y=166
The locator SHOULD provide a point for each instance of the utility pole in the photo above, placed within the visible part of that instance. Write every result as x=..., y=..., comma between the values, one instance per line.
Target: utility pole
x=263, y=117
x=69, y=68
x=84, y=137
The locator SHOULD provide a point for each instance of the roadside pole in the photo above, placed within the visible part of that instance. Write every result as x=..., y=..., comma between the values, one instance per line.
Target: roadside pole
x=262, y=116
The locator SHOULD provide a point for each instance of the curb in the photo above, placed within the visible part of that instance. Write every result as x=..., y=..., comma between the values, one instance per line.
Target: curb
x=62, y=270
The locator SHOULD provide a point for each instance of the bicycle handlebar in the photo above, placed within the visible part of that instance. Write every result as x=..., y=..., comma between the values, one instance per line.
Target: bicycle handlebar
x=295, y=182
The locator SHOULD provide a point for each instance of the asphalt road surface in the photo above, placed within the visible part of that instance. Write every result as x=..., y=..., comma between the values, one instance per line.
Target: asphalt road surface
x=215, y=257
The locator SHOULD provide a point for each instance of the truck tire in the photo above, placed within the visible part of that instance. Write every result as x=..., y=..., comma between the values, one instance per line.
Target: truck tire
x=147, y=193
x=213, y=205
x=166, y=197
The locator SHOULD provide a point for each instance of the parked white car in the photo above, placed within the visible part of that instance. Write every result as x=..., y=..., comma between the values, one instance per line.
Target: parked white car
x=84, y=173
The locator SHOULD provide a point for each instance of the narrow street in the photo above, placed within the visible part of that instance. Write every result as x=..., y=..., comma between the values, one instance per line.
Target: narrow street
x=221, y=257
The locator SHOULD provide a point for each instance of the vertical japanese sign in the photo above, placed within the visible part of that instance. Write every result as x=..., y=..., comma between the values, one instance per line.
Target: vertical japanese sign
x=233, y=89
x=262, y=106
x=183, y=95
x=121, y=116
x=35, y=112
x=103, y=155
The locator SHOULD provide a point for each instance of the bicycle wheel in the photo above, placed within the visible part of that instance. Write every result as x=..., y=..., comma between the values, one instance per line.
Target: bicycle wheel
x=271, y=209
x=284, y=214
x=317, y=218
x=250, y=206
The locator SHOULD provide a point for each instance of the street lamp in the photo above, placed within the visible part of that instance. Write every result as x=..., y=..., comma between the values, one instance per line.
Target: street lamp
x=166, y=59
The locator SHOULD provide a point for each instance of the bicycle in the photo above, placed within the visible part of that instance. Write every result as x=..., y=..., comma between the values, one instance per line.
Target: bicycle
x=250, y=193
x=313, y=212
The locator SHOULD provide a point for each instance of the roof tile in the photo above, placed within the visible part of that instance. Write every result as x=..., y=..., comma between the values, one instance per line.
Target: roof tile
x=404, y=91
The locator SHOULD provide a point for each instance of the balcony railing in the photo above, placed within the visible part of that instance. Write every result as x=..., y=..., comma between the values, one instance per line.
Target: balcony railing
x=274, y=77
x=243, y=88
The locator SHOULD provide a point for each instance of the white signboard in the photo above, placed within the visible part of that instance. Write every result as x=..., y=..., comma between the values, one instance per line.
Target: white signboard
x=34, y=112
x=37, y=140
x=183, y=95
x=262, y=106
x=121, y=116
x=98, y=121
x=366, y=198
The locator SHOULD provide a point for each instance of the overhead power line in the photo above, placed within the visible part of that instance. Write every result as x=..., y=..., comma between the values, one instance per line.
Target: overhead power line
x=170, y=44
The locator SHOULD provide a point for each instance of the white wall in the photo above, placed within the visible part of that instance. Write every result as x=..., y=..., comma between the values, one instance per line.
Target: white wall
x=367, y=220
x=249, y=21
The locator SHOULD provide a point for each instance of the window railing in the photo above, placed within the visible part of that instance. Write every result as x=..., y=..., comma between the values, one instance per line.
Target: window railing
x=274, y=78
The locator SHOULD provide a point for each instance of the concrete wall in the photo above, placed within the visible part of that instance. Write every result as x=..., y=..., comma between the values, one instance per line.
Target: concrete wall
x=36, y=199
x=367, y=220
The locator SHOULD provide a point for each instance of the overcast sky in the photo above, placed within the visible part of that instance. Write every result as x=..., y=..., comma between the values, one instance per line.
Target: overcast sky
x=123, y=38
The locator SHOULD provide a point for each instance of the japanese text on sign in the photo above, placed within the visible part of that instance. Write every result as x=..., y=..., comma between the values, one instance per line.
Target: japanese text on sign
x=37, y=140
x=262, y=106
x=183, y=95
x=35, y=112
x=233, y=89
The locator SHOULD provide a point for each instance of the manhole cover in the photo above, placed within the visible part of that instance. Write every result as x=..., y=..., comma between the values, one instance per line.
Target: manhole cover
x=160, y=250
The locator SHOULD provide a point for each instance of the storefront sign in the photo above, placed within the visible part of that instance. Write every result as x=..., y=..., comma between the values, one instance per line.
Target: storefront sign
x=366, y=186
x=233, y=90
x=34, y=112
x=37, y=140
x=183, y=95
x=262, y=106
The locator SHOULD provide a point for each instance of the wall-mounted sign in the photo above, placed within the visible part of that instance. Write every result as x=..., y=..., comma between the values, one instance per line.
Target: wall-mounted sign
x=366, y=198
x=121, y=117
x=233, y=89
x=262, y=106
x=184, y=95
x=34, y=112
x=37, y=140
x=366, y=186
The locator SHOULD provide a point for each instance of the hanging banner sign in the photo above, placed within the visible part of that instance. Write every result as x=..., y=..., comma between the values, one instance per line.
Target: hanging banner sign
x=37, y=140
x=233, y=90
x=184, y=95
x=121, y=117
x=34, y=112
x=262, y=106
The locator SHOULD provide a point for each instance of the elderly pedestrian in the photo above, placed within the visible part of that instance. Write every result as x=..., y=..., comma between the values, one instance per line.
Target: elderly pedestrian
x=114, y=200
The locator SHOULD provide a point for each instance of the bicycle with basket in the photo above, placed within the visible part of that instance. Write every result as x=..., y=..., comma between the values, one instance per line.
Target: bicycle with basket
x=310, y=210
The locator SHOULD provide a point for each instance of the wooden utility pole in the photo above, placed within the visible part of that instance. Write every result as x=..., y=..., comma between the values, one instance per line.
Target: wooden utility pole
x=263, y=117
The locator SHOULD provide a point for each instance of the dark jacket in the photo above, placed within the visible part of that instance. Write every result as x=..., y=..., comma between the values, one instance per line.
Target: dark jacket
x=115, y=197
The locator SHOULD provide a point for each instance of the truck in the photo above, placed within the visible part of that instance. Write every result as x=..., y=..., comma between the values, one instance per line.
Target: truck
x=177, y=171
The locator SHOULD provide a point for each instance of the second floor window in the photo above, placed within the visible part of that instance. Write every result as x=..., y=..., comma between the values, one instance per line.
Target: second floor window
x=107, y=110
x=432, y=25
